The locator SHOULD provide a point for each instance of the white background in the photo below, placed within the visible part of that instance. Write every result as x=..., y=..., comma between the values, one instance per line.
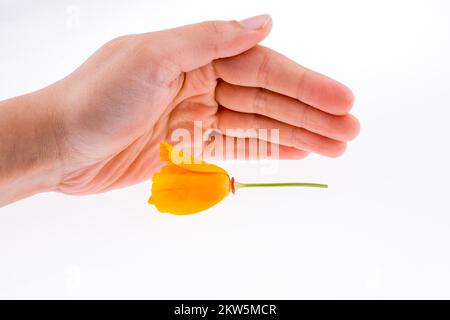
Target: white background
x=382, y=229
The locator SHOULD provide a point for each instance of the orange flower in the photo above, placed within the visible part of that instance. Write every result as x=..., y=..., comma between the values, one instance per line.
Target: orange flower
x=186, y=185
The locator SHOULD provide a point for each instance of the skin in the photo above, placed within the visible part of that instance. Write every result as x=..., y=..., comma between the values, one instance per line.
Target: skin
x=100, y=127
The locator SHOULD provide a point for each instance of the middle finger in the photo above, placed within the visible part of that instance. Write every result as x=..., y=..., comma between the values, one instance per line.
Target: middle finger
x=287, y=110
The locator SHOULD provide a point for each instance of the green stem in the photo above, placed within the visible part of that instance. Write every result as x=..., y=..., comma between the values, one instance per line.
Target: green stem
x=239, y=185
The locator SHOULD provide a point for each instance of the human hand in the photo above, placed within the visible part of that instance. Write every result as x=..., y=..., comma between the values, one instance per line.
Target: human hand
x=132, y=93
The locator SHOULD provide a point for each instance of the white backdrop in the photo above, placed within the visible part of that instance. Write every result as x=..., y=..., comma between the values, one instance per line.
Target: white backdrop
x=382, y=229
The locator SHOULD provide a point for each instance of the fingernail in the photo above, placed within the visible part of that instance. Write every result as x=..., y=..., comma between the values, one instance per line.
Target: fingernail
x=255, y=23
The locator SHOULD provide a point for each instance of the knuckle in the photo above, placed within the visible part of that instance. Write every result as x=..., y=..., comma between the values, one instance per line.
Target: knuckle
x=213, y=27
x=256, y=121
x=213, y=31
x=302, y=117
x=301, y=84
x=260, y=104
x=264, y=70
x=294, y=137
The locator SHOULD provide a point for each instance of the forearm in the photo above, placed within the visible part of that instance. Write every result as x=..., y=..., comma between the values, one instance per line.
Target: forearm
x=29, y=146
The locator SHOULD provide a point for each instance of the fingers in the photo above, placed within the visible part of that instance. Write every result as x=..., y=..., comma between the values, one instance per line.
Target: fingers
x=195, y=45
x=265, y=68
x=244, y=125
x=249, y=149
x=287, y=110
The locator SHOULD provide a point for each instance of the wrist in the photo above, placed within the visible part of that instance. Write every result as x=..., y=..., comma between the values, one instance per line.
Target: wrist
x=31, y=133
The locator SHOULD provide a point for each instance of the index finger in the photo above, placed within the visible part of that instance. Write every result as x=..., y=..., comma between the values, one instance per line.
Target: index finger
x=265, y=68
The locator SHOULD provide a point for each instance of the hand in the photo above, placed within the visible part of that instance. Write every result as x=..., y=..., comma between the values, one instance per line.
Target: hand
x=136, y=90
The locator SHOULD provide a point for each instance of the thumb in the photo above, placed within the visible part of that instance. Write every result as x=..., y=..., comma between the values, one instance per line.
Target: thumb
x=196, y=45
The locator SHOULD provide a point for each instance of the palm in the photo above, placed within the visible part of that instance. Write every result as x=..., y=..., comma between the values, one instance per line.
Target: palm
x=124, y=148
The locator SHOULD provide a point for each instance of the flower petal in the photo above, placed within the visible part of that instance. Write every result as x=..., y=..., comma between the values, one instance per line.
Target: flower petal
x=185, y=161
x=188, y=192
